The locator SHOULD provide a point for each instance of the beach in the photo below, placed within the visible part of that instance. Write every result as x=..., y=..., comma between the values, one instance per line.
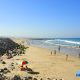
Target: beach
x=46, y=64
x=53, y=66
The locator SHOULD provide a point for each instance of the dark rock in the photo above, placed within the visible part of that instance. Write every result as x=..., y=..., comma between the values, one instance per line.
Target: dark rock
x=12, y=63
x=35, y=79
x=16, y=77
x=5, y=71
x=29, y=69
x=29, y=78
x=48, y=79
x=12, y=67
x=2, y=77
x=5, y=68
x=32, y=72
x=26, y=78
x=41, y=79
x=3, y=62
x=1, y=70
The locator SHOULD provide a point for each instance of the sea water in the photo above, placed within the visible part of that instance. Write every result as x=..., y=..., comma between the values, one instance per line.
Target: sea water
x=67, y=45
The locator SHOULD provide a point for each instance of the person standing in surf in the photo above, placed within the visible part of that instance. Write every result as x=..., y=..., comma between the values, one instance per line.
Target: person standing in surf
x=59, y=48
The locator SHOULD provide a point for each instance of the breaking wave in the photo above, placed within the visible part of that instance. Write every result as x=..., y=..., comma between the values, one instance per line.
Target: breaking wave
x=63, y=42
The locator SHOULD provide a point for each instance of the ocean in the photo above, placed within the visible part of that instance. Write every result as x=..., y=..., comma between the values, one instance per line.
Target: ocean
x=67, y=45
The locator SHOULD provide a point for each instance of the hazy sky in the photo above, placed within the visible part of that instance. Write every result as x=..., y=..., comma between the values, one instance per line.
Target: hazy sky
x=40, y=18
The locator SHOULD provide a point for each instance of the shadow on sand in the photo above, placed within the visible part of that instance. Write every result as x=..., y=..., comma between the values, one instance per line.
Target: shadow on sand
x=30, y=71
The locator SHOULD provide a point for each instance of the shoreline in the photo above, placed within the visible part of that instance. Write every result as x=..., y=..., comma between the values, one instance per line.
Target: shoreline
x=61, y=51
x=72, y=51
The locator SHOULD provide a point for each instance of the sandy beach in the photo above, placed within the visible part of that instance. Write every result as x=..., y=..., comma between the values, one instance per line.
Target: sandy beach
x=49, y=66
x=53, y=66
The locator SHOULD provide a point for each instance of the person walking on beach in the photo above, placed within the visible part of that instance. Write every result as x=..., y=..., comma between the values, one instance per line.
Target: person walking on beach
x=66, y=57
x=79, y=55
x=51, y=52
x=54, y=52
x=59, y=48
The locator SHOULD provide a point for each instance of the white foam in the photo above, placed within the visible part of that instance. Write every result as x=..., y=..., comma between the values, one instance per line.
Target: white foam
x=72, y=42
x=59, y=40
x=67, y=41
x=49, y=41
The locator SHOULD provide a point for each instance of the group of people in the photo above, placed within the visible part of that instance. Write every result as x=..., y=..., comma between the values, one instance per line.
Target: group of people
x=59, y=48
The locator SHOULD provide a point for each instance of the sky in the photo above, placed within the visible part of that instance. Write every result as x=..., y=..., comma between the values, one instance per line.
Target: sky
x=40, y=18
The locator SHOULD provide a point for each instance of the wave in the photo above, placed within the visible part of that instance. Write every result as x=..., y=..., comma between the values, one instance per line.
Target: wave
x=49, y=41
x=72, y=42
x=62, y=41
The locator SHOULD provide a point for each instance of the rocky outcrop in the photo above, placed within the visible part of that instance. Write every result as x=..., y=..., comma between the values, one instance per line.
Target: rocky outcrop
x=6, y=44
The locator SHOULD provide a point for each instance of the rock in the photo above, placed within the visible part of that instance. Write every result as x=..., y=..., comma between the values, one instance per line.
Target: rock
x=6, y=71
x=29, y=69
x=48, y=79
x=26, y=78
x=5, y=68
x=29, y=78
x=32, y=72
x=12, y=63
x=11, y=67
x=60, y=79
x=1, y=70
x=35, y=79
x=54, y=79
x=41, y=79
x=16, y=77
x=2, y=77
x=3, y=62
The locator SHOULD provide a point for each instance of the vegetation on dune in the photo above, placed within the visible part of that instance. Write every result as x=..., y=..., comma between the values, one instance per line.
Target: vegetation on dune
x=6, y=44
x=10, y=48
x=22, y=47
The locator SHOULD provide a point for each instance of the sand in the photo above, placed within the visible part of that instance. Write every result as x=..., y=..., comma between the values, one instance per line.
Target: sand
x=53, y=65
x=49, y=66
